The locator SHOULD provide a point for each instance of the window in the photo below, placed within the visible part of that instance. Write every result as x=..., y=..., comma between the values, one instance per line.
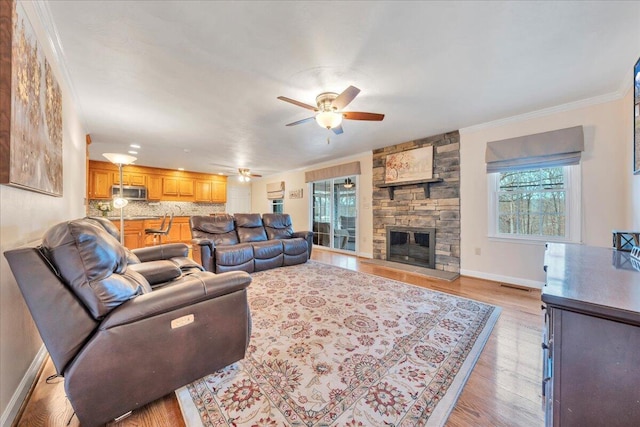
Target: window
x=536, y=204
x=277, y=206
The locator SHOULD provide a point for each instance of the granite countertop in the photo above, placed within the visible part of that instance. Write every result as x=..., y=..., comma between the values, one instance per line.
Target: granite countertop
x=128, y=218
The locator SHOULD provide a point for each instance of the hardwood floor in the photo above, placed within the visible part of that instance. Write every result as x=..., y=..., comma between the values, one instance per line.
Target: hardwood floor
x=502, y=390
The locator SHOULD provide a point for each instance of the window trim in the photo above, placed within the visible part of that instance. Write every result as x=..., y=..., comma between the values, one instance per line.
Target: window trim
x=573, y=217
x=274, y=204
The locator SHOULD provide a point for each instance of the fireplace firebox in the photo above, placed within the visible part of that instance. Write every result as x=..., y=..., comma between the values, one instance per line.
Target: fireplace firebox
x=411, y=245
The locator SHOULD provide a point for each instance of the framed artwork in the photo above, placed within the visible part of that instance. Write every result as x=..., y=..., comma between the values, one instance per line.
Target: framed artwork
x=636, y=117
x=31, y=128
x=295, y=194
x=410, y=165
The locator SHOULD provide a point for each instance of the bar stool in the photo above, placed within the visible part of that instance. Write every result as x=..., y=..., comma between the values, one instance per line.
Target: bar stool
x=162, y=231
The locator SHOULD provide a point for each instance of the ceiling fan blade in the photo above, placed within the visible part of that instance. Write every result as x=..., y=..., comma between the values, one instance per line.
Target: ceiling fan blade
x=301, y=121
x=256, y=175
x=355, y=115
x=298, y=103
x=337, y=130
x=345, y=97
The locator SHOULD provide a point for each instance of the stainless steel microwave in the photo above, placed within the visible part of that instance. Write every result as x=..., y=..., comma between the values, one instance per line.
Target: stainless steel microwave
x=130, y=192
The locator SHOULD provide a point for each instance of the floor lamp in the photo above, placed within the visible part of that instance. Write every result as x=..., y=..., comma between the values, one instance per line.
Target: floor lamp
x=120, y=202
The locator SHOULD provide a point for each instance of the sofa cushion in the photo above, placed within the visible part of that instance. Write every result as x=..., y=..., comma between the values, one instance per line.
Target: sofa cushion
x=267, y=249
x=235, y=257
x=278, y=226
x=94, y=265
x=249, y=228
x=296, y=246
x=219, y=228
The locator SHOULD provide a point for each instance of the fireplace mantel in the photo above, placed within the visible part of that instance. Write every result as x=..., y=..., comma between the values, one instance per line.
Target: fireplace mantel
x=423, y=182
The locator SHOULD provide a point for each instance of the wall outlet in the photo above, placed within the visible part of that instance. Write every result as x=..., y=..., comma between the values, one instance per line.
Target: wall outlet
x=478, y=251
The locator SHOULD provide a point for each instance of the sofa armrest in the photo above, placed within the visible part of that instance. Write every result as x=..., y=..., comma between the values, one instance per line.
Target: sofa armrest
x=157, y=272
x=160, y=252
x=187, y=291
x=308, y=236
x=202, y=252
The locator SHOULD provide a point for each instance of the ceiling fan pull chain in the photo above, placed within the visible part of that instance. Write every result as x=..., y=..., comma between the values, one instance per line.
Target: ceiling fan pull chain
x=328, y=140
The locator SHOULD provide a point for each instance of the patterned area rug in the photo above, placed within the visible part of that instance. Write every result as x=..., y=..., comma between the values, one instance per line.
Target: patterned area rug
x=335, y=347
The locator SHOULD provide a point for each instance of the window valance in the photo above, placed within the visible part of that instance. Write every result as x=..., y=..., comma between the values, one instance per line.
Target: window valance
x=562, y=147
x=345, y=169
x=275, y=190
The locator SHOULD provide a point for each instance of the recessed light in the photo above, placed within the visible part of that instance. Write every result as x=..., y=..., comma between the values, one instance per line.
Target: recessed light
x=180, y=169
x=132, y=152
x=220, y=173
x=134, y=146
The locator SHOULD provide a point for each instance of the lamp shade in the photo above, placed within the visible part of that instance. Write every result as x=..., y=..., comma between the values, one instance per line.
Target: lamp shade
x=120, y=159
x=328, y=119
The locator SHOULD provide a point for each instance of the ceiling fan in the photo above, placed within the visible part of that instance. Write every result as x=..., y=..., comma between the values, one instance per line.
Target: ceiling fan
x=245, y=174
x=329, y=112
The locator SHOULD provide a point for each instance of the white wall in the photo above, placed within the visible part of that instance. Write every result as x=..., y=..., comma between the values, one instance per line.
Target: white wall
x=299, y=208
x=606, y=179
x=24, y=216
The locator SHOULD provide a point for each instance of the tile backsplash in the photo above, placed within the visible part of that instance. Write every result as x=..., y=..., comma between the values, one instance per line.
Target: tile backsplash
x=139, y=208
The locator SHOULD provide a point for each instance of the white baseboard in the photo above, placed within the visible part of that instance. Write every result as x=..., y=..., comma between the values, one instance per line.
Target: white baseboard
x=365, y=255
x=504, y=279
x=11, y=411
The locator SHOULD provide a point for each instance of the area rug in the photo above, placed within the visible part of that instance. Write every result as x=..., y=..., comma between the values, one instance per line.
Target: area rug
x=335, y=347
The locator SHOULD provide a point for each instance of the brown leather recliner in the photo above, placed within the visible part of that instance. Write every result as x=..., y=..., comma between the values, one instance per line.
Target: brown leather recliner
x=118, y=343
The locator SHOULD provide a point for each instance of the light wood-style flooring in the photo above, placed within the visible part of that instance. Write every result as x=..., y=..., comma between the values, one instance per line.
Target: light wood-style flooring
x=503, y=388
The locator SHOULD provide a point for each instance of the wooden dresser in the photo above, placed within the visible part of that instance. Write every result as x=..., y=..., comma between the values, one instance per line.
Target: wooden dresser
x=591, y=343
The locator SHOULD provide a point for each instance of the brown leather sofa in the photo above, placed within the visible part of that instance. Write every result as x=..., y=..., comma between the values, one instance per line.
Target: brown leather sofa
x=119, y=343
x=248, y=242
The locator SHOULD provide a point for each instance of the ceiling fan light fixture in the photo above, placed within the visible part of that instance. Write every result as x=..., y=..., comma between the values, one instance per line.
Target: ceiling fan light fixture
x=329, y=119
x=348, y=183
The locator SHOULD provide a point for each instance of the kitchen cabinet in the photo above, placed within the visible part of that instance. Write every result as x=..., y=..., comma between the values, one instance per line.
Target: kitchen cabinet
x=219, y=191
x=591, y=337
x=162, y=184
x=130, y=178
x=178, y=187
x=203, y=191
x=154, y=187
x=100, y=184
x=213, y=191
x=133, y=232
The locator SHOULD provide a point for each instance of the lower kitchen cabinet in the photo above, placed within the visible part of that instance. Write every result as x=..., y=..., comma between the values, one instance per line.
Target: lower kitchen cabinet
x=591, y=343
x=133, y=233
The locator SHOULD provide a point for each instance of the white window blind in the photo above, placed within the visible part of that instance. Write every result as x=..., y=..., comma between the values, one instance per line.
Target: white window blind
x=562, y=147
x=275, y=190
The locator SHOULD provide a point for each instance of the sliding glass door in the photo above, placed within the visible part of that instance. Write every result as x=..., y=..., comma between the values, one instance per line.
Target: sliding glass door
x=334, y=213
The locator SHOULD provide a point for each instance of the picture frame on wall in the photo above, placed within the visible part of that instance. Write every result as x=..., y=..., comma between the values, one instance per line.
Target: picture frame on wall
x=31, y=100
x=636, y=117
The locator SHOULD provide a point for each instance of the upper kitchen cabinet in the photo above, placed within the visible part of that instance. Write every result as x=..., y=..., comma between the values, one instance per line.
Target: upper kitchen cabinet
x=213, y=190
x=177, y=188
x=161, y=184
x=130, y=178
x=99, y=184
x=154, y=187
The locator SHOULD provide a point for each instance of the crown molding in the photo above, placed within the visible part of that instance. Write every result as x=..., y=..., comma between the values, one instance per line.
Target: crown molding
x=43, y=13
x=601, y=99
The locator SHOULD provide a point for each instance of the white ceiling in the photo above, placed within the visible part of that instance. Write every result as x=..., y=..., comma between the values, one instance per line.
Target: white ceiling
x=195, y=83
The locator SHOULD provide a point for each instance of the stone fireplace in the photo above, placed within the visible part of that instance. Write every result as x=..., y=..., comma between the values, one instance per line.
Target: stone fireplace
x=411, y=245
x=412, y=206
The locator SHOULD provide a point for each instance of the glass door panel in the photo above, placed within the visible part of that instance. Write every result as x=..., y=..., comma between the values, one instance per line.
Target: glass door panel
x=335, y=213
